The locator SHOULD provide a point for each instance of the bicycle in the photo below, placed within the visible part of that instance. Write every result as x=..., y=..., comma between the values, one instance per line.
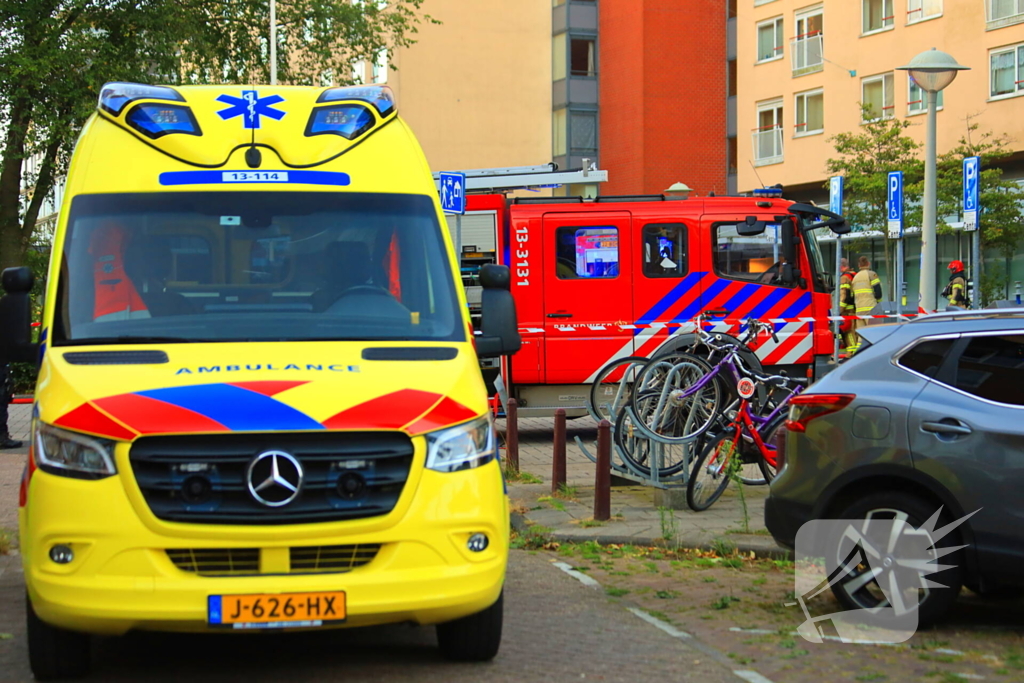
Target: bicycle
x=723, y=455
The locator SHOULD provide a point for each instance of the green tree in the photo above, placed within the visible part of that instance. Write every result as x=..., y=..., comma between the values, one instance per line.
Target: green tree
x=865, y=158
x=1001, y=221
x=55, y=55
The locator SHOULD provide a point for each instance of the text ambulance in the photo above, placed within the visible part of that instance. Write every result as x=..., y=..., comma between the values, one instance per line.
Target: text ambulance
x=259, y=402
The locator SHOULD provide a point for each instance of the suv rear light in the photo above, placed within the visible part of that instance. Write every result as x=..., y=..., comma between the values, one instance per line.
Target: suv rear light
x=805, y=407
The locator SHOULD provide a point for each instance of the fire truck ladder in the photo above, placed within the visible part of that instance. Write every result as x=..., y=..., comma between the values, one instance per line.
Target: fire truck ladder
x=494, y=180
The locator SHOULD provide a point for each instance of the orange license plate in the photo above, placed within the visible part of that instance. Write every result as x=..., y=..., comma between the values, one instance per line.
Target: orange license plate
x=276, y=610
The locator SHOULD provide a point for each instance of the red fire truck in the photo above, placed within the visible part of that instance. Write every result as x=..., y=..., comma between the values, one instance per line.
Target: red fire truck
x=604, y=278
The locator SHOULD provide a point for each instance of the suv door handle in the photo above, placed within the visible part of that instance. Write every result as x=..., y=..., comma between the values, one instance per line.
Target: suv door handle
x=559, y=315
x=947, y=426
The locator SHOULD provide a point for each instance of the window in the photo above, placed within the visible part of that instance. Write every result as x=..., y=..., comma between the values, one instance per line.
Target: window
x=926, y=358
x=755, y=259
x=587, y=253
x=768, y=134
x=1005, y=9
x=582, y=61
x=559, y=131
x=810, y=113
x=877, y=96
x=917, y=102
x=1007, y=68
x=808, y=46
x=731, y=9
x=380, y=67
x=731, y=76
x=732, y=154
x=877, y=15
x=993, y=368
x=359, y=72
x=191, y=260
x=769, y=40
x=559, y=58
x=664, y=250
x=919, y=10
x=582, y=132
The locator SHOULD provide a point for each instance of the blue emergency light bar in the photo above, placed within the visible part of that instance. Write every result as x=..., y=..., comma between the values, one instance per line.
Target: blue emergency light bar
x=115, y=96
x=380, y=96
x=347, y=120
x=156, y=120
x=768, y=192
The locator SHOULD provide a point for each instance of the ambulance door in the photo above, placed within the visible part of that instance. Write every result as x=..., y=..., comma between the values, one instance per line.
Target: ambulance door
x=746, y=279
x=587, y=292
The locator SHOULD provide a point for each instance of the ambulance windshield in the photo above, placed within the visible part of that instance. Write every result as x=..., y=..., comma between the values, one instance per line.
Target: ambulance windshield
x=254, y=266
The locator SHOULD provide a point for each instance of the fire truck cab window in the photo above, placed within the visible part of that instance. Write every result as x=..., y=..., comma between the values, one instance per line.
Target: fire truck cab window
x=754, y=259
x=587, y=253
x=664, y=250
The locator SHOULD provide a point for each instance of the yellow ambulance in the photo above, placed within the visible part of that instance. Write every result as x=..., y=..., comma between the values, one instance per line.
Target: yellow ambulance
x=259, y=402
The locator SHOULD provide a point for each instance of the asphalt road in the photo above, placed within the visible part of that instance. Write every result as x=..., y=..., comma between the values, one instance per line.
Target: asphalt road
x=556, y=629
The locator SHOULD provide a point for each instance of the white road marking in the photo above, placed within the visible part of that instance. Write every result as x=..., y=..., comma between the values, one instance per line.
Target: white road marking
x=752, y=676
x=579, y=576
x=755, y=631
x=654, y=621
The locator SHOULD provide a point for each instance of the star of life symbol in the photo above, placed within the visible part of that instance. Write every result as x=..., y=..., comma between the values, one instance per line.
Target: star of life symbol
x=879, y=563
x=250, y=106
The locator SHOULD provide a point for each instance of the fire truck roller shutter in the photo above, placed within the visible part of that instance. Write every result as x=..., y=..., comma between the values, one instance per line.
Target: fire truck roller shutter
x=479, y=229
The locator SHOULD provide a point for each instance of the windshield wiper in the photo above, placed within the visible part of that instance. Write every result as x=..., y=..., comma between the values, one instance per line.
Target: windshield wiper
x=132, y=339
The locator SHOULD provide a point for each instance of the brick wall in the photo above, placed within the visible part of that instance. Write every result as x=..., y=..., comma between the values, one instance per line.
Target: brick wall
x=663, y=90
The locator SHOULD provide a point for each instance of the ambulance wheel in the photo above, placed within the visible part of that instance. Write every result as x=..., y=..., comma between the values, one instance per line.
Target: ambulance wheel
x=55, y=653
x=475, y=638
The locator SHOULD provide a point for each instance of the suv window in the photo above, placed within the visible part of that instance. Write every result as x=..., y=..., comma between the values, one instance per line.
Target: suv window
x=993, y=368
x=926, y=357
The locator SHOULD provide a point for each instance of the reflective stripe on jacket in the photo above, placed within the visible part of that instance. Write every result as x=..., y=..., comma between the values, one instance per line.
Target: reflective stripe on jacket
x=957, y=291
x=846, y=293
x=867, y=289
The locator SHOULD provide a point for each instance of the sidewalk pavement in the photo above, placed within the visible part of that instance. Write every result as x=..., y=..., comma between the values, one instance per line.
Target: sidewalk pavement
x=635, y=518
x=12, y=464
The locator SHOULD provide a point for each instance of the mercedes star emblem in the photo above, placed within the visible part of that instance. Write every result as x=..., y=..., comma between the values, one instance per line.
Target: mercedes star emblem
x=274, y=478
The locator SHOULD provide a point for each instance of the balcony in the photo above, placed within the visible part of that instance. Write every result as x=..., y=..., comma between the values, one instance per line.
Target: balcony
x=807, y=54
x=767, y=146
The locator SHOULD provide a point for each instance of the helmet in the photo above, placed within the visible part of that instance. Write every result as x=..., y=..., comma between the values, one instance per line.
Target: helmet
x=956, y=265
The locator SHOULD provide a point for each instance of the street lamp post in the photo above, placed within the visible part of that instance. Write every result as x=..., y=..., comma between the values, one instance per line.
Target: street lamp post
x=932, y=70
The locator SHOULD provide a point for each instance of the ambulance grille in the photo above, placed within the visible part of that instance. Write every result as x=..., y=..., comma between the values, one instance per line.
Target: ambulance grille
x=332, y=558
x=202, y=479
x=216, y=561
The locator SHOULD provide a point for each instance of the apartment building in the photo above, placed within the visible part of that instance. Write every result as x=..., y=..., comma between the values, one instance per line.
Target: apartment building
x=803, y=71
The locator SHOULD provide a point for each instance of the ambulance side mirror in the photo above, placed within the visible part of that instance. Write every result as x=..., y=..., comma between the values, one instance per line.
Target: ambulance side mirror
x=500, y=328
x=16, y=317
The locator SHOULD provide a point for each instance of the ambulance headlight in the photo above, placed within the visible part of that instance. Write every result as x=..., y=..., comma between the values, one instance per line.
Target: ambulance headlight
x=462, y=448
x=115, y=96
x=70, y=454
x=380, y=96
x=157, y=120
x=347, y=120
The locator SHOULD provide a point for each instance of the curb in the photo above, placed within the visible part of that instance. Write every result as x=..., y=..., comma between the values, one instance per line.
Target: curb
x=762, y=547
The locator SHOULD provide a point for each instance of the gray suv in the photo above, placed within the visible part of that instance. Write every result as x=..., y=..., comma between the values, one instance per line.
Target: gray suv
x=929, y=414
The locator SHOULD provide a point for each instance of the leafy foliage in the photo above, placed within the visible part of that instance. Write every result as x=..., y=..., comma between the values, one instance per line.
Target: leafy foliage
x=56, y=54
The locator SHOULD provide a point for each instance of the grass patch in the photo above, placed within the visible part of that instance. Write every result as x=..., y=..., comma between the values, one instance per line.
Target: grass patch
x=587, y=523
x=870, y=676
x=566, y=491
x=616, y=592
x=553, y=502
x=6, y=541
x=515, y=476
x=669, y=527
x=535, y=538
x=724, y=602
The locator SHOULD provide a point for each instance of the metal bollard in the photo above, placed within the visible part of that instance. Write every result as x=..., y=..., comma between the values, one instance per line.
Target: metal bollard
x=603, y=480
x=558, y=454
x=512, y=434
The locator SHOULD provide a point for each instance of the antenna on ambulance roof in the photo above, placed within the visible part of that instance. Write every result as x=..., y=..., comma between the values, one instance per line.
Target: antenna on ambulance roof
x=755, y=173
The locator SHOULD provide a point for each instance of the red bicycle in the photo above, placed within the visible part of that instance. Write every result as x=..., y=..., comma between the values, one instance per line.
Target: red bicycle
x=746, y=439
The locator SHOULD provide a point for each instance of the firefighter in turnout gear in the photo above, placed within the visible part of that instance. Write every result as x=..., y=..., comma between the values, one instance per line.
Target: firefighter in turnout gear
x=956, y=291
x=867, y=292
x=846, y=307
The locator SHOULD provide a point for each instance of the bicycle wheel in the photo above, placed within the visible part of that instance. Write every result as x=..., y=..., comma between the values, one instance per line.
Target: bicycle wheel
x=637, y=450
x=710, y=473
x=749, y=471
x=669, y=405
x=613, y=387
x=768, y=434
